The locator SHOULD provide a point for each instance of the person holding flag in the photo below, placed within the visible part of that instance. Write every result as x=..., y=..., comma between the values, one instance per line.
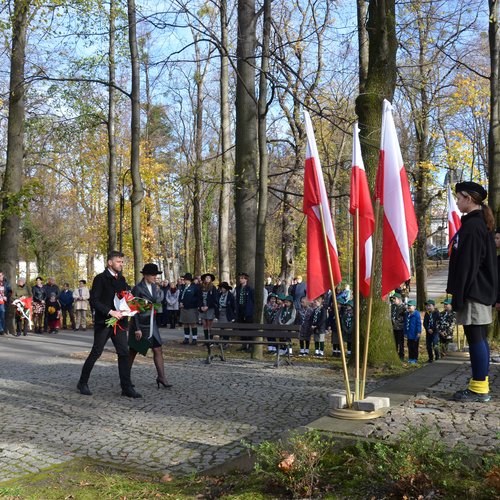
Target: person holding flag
x=21, y=306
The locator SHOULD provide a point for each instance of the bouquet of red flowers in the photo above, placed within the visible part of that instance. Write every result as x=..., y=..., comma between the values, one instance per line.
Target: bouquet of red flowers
x=129, y=306
x=23, y=307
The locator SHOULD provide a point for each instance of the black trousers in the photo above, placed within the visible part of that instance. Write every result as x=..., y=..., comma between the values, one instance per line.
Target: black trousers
x=412, y=349
x=172, y=318
x=65, y=311
x=399, y=339
x=101, y=335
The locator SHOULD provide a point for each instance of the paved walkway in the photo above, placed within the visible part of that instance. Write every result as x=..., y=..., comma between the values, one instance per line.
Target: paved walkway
x=198, y=424
x=436, y=282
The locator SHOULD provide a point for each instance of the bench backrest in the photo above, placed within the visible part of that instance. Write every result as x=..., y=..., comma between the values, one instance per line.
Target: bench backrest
x=252, y=330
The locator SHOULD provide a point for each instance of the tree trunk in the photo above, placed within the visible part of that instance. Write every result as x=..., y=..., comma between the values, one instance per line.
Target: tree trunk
x=260, y=253
x=380, y=84
x=135, y=144
x=112, y=171
x=12, y=181
x=423, y=154
x=198, y=160
x=246, y=141
x=288, y=233
x=225, y=192
x=363, y=44
x=494, y=130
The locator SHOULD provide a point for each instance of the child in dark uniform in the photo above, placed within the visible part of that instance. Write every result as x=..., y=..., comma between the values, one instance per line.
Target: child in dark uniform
x=347, y=324
x=431, y=321
x=318, y=326
x=304, y=313
x=446, y=326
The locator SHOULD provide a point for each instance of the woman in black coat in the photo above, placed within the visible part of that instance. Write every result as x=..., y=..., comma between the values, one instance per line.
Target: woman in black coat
x=472, y=281
x=143, y=330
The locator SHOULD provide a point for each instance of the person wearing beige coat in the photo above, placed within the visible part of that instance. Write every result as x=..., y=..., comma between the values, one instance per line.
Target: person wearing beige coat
x=81, y=304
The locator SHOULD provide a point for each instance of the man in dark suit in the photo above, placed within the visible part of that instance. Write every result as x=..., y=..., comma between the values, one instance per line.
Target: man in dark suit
x=102, y=294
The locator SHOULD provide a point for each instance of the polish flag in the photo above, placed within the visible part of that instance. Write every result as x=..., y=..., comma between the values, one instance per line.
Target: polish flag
x=318, y=276
x=454, y=221
x=400, y=223
x=360, y=200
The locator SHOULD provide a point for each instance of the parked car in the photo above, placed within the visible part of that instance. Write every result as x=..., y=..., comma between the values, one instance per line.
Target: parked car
x=437, y=253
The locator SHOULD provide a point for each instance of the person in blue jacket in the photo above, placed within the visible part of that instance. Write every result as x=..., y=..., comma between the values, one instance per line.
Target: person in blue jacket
x=412, y=331
x=66, y=300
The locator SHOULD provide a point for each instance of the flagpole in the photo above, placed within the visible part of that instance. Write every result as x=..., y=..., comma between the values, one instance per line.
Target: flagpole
x=370, y=297
x=336, y=307
x=356, y=307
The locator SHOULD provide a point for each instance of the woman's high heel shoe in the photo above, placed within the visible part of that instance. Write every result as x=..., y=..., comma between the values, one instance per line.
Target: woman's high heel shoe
x=158, y=382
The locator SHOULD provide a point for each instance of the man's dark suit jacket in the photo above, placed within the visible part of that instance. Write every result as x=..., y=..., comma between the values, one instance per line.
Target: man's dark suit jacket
x=102, y=295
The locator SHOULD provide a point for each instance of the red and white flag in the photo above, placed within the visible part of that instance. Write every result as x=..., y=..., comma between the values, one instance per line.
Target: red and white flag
x=454, y=221
x=400, y=226
x=318, y=277
x=360, y=200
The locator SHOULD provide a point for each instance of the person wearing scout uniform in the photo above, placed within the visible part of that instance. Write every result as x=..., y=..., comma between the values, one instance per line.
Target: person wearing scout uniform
x=286, y=316
x=472, y=282
x=189, y=302
x=398, y=311
x=412, y=330
x=318, y=326
x=347, y=324
x=446, y=326
x=431, y=321
x=209, y=303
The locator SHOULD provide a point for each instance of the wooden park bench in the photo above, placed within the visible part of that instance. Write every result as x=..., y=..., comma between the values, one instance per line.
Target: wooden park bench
x=226, y=334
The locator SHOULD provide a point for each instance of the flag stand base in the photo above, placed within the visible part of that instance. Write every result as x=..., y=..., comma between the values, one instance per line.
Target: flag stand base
x=350, y=414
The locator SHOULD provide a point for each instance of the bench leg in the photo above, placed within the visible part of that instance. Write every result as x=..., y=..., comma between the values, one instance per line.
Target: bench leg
x=288, y=357
x=209, y=354
x=277, y=363
x=222, y=358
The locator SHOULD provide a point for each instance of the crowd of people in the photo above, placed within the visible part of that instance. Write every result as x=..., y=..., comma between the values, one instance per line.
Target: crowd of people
x=47, y=307
x=194, y=301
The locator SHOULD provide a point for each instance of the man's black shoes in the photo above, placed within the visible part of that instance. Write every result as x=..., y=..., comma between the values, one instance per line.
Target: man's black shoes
x=131, y=393
x=83, y=388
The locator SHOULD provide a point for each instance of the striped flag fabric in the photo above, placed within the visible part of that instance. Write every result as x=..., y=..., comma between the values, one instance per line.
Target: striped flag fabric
x=400, y=226
x=454, y=221
x=315, y=197
x=360, y=200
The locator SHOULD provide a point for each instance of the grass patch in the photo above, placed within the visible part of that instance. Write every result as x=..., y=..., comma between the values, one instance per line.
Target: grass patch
x=307, y=465
x=85, y=479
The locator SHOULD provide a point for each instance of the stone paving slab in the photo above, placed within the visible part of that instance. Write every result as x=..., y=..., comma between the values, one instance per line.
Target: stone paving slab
x=198, y=424
x=420, y=403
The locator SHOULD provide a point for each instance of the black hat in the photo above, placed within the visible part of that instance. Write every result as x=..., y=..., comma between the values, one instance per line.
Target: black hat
x=188, y=276
x=244, y=275
x=151, y=269
x=471, y=187
x=203, y=276
x=225, y=285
